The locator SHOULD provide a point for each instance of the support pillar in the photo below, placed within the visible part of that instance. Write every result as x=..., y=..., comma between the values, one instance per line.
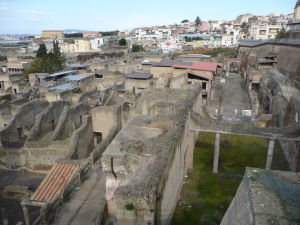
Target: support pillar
x=216, y=153
x=270, y=154
x=26, y=214
x=4, y=217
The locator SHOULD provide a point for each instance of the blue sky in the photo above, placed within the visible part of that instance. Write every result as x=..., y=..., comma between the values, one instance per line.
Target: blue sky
x=32, y=16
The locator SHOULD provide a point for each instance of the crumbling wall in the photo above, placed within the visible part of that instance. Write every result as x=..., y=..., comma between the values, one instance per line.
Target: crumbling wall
x=288, y=58
x=82, y=140
x=34, y=155
x=5, y=107
x=149, y=180
x=24, y=118
x=47, y=120
x=69, y=121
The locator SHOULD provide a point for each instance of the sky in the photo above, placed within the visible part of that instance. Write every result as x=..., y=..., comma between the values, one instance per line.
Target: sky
x=33, y=16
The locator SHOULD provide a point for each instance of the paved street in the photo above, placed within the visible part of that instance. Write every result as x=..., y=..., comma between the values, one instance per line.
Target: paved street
x=234, y=98
x=86, y=204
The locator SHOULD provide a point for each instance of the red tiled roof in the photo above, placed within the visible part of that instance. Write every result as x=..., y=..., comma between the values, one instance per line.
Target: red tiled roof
x=204, y=66
x=57, y=179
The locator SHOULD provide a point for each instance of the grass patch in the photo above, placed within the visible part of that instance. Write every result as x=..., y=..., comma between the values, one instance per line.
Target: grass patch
x=205, y=197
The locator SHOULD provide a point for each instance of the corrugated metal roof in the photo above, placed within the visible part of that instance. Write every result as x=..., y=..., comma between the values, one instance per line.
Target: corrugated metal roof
x=61, y=73
x=171, y=63
x=57, y=179
x=137, y=75
x=194, y=56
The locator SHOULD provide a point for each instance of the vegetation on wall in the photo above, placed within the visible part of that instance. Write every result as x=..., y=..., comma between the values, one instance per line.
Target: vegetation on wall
x=46, y=62
x=129, y=206
x=223, y=52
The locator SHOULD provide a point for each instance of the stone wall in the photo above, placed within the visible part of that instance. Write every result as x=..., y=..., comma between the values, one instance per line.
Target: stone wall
x=149, y=157
x=23, y=120
x=34, y=155
x=47, y=120
x=288, y=58
x=69, y=121
x=82, y=140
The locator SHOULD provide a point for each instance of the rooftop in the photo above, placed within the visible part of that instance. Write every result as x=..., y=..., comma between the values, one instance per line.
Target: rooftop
x=55, y=181
x=138, y=75
x=194, y=56
x=171, y=63
x=77, y=77
x=204, y=66
x=60, y=73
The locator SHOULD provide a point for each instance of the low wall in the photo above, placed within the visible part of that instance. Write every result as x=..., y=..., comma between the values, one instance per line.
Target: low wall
x=34, y=156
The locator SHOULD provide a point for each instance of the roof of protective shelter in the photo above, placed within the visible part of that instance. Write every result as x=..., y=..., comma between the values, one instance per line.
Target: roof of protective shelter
x=56, y=180
x=137, y=75
x=61, y=73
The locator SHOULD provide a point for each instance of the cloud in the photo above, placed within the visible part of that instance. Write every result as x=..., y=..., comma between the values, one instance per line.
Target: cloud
x=26, y=12
x=3, y=5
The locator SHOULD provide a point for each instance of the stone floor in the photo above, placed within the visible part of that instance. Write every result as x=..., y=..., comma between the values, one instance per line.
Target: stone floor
x=235, y=98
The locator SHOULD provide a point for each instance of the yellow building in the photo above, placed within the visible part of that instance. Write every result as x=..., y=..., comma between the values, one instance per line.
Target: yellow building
x=297, y=10
x=52, y=34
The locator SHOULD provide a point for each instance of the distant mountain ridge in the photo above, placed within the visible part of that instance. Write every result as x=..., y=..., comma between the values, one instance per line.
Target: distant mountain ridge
x=70, y=31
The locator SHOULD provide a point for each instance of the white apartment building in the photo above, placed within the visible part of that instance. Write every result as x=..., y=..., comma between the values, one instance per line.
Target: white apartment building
x=260, y=32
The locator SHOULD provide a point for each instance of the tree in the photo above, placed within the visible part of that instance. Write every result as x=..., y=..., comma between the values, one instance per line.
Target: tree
x=122, y=42
x=49, y=63
x=137, y=48
x=185, y=21
x=281, y=34
x=42, y=51
x=56, y=49
x=197, y=21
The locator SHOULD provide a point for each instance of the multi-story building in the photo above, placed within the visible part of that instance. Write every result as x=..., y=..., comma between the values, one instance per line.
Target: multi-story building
x=260, y=32
x=97, y=43
x=52, y=34
x=78, y=46
x=243, y=18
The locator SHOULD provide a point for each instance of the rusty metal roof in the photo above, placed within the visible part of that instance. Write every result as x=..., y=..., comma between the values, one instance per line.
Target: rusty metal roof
x=57, y=179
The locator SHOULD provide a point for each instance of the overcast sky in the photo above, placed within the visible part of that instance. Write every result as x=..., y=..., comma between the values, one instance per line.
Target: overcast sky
x=32, y=16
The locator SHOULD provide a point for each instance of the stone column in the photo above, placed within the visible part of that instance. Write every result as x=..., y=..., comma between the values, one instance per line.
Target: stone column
x=270, y=154
x=216, y=153
x=26, y=214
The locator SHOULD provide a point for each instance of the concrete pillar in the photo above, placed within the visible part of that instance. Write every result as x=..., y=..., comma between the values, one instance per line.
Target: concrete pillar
x=26, y=214
x=270, y=154
x=216, y=153
x=190, y=152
